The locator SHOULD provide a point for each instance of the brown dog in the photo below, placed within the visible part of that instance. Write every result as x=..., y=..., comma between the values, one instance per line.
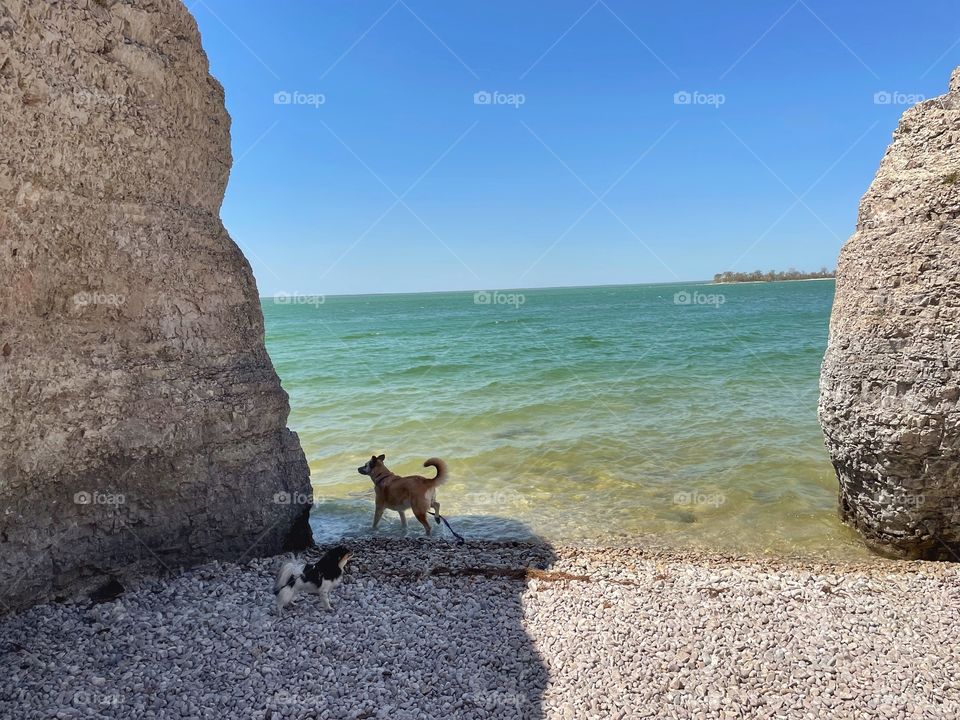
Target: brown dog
x=413, y=492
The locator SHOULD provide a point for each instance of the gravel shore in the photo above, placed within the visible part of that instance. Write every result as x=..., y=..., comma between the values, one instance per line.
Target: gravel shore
x=424, y=629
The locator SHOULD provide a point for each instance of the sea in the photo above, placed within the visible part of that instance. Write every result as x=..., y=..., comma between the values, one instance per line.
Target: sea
x=680, y=415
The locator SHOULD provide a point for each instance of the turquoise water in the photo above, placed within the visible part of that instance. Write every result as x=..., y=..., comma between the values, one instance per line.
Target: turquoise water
x=611, y=414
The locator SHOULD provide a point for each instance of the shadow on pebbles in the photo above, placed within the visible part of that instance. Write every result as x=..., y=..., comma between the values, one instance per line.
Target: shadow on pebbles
x=425, y=629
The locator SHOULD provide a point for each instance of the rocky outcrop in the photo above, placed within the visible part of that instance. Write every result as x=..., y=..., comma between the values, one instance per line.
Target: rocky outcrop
x=890, y=385
x=143, y=425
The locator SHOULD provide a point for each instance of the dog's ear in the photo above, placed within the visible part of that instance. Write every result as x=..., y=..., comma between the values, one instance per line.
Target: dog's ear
x=381, y=458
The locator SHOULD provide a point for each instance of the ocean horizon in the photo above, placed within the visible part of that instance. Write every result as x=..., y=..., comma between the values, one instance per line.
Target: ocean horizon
x=538, y=287
x=602, y=414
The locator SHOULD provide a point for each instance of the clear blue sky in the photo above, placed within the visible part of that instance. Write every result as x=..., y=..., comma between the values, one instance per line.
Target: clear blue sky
x=399, y=182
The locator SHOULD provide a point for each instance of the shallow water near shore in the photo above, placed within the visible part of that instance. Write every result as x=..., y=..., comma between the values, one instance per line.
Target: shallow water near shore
x=684, y=411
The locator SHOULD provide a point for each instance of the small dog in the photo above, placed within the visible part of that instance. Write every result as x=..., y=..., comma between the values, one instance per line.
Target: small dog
x=319, y=577
x=413, y=492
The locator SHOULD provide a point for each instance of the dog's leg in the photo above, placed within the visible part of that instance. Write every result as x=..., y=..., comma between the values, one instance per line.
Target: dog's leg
x=436, y=509
x=377, y=514
x=324, y=592
x=421, y=515
x=282, y=601
x=284, y=598
x=403, y=519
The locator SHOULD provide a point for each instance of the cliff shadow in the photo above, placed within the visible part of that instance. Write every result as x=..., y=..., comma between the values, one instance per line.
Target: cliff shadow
x=420, y=628
x=429, y=628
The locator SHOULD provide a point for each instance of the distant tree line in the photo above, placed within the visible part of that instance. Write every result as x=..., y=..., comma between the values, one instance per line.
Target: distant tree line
x=771, y=276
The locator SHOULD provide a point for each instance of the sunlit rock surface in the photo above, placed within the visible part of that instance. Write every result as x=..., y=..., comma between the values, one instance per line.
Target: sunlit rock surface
x=142, y=423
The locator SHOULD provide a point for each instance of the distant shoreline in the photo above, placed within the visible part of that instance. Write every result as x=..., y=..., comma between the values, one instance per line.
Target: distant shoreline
x=672, y=283
x=767, y=282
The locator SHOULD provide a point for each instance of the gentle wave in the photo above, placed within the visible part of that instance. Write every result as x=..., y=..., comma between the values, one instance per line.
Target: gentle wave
x=589, y=414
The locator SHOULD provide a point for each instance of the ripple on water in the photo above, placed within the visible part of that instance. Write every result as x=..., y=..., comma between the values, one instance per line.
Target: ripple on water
x=591, y=414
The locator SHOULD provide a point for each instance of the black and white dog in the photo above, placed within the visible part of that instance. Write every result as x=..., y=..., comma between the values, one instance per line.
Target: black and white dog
x=320, y=577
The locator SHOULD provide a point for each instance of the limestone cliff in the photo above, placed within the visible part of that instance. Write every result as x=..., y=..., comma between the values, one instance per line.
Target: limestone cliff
x=142, y=423
x=890, y=384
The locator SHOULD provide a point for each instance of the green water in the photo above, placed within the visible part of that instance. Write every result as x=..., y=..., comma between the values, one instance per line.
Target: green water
x=612, y=414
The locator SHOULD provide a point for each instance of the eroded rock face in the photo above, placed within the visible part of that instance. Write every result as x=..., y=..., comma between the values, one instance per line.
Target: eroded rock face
x=142, y=423
x=890, y=384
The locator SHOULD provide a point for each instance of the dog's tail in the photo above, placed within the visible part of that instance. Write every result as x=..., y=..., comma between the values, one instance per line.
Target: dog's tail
x=285, y=576
x=286, y=582
x=441, y=467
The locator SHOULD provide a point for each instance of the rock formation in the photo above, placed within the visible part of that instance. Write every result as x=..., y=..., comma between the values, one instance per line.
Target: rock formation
x=142, y=423
x=890, y=385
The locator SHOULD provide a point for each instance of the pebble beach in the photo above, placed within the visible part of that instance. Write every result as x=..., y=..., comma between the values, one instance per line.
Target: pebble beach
x=426, y=629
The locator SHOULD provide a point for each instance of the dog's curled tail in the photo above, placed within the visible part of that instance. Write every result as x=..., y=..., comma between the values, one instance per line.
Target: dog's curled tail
x=441, y=467
x=284, y=577
x=286, y=582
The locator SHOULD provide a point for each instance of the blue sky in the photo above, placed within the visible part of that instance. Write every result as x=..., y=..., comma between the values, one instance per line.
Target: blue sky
x=386, y=173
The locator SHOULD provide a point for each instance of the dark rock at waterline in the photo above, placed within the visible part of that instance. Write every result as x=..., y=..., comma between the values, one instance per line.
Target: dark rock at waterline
x=890, y=384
